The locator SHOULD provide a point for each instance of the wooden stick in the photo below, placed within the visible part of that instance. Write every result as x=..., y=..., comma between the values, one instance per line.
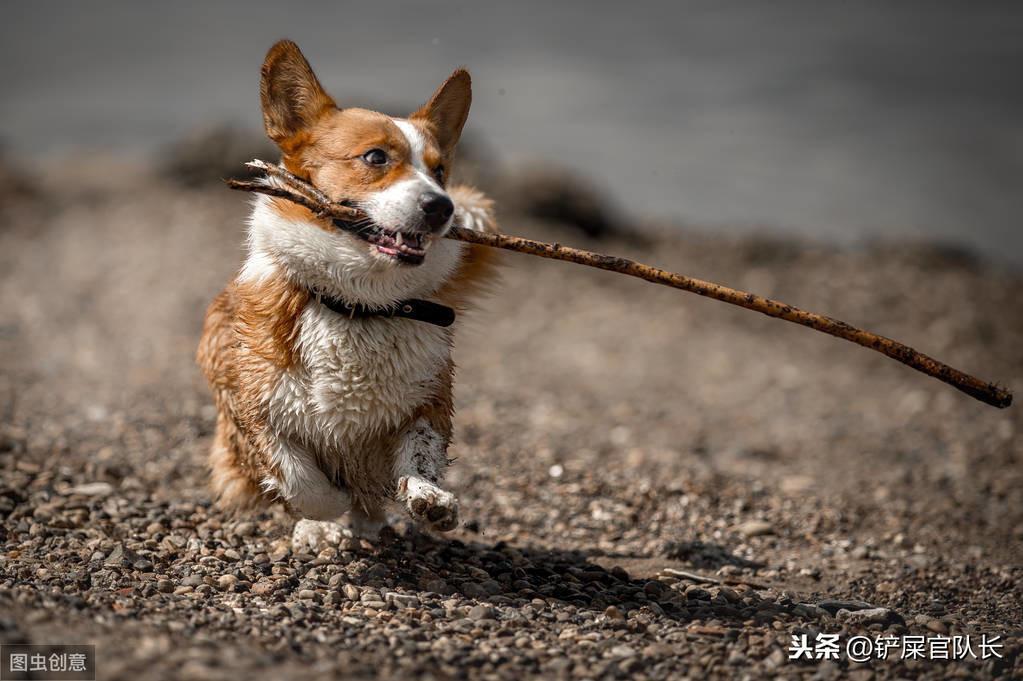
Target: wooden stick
x=285, y=185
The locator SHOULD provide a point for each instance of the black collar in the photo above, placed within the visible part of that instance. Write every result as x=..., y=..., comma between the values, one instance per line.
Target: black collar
x=413, y=308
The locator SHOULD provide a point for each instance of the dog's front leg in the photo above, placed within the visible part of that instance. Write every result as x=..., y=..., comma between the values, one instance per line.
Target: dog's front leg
x=308, y=493
x=419, y=465
x=299, y=482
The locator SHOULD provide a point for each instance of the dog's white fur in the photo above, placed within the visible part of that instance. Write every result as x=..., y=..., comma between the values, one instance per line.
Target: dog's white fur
x=327, y=413
x=395, y=206
x=350, y=384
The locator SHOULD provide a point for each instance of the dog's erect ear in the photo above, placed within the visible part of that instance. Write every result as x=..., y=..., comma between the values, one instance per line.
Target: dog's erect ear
x=292, y=97
x=447, y=110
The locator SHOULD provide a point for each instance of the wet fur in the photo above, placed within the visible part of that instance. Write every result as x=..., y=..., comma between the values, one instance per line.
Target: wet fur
x=319, y=411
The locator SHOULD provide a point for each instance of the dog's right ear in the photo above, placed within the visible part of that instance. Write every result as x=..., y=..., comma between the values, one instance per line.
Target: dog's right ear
x=292, y=97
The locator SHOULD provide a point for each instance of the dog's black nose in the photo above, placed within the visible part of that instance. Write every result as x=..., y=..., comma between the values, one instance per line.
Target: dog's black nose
x=437, y=209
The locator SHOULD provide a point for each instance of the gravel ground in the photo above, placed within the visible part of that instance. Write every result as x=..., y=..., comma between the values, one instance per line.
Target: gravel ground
x=652, y=485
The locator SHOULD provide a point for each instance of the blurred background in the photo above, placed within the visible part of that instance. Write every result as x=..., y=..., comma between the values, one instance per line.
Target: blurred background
x=841, y=121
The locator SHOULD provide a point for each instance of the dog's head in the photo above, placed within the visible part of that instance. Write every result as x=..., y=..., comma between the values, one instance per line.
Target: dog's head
x=393, y=169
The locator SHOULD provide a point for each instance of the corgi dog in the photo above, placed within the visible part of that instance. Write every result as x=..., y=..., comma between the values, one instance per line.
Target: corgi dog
x=329, y=354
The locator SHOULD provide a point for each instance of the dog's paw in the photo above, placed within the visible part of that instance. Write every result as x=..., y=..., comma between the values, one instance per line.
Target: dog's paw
x=312, y=536
x=428, y=504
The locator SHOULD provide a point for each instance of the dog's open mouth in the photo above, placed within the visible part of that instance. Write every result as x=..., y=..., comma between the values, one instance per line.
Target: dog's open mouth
x=405, y=247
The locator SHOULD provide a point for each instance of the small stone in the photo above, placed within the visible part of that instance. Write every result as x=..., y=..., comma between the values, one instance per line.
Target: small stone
x=656, y=650
x=439, y=586
x=245, y=529
x=613, y=613
x=92, y=489
x=755, y=528
x=377, y=571
x=307, y=594
x=622, y=651
x=351, y=592
x=833, y=606
x=115, y=557
x=482, y=612
x=937, y=626
x=402, y=600
x=474, y=590
x=263, y=587
x=697, y=593
x=736, y=658
x=165, y=586
x=826, y=670
x=652, y=589
x=558, y=665
x=227, y=582
x=868, y=616
x=729, y=594
x=776, y=659
x=809, y=611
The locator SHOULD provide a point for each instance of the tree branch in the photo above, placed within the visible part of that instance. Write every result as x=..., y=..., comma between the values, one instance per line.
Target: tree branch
x=283, y=184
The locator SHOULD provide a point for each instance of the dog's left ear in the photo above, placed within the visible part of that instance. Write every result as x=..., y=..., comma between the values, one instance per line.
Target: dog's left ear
x=292, y=97
x=447, y=110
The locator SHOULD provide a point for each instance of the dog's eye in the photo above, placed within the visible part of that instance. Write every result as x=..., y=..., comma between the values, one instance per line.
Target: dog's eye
x=375, y=157
x=438, y=173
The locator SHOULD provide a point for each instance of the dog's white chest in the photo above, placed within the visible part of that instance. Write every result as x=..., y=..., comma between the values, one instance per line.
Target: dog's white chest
x=356, y=378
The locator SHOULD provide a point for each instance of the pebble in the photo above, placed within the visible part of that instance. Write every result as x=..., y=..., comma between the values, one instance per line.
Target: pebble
x=377, y=571
x=755, y=528
x=482, y=612
x=245, y=529
x=729, y=594
x=227, y=582
x=697, y=593
x=474, y=590
x=116, y=556
x=622, y=651
x=833, y=605
x=614, y=613
x=809, y=611
x=92, y=489
x=402, y=600
x=868, y=616
x=263, y=587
